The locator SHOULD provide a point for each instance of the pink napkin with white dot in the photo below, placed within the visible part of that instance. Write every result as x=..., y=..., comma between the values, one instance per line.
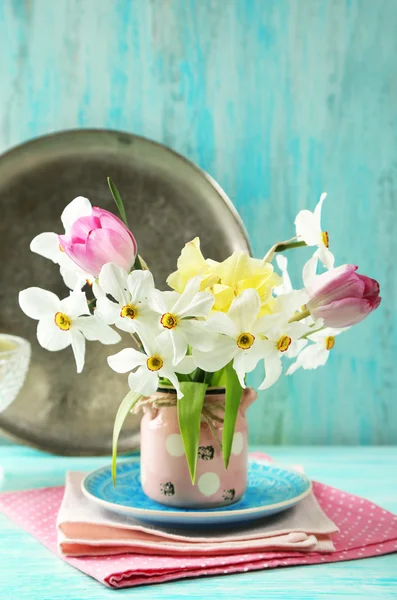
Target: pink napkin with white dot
x=85, y=529
x=365, y=530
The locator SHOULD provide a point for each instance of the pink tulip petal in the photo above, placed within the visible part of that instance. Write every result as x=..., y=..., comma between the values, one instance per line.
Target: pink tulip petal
x=82, y=227
x=107, y=245
x=343, y=287
x=344, y=313
x=77, y=252
x=327, y=281
x=110, y=221
x=371, y=289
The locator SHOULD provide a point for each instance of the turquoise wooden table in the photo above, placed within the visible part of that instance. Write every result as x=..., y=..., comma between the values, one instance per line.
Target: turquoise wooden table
x=30, y=571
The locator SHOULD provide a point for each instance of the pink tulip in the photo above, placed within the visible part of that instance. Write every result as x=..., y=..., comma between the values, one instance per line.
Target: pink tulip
x=342, y=297
x=99, y=239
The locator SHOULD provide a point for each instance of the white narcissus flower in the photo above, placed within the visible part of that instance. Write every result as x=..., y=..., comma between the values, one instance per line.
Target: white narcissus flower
x=282, y=337
x=308, y=229
x=147, y=367
x=178, y=317
x=316, y=354
x=130, y=311
x=47, y=244
x=62, y=323
x=286, y=286
x=241, y=335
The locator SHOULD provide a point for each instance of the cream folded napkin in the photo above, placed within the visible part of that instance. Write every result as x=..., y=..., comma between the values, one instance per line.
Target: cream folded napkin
x=85, y=529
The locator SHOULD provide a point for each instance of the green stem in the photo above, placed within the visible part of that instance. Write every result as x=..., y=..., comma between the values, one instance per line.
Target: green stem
x=199, y=376
x=300, y=316
x=117, y=198
x=289, y=246
x=307, y=335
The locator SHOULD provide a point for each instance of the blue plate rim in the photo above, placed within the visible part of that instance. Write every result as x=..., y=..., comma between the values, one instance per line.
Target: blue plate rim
x=196, y=513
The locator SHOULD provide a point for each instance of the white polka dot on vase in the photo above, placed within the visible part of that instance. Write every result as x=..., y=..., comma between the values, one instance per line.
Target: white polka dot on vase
x=238, y=443
x=208, y=484
x=174, y=444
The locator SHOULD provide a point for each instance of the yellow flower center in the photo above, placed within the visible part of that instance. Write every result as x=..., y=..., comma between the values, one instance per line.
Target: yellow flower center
x=329, y=342
x=325, y=238
x=61, y=249
x=169, y=321
x=128, y=311
x=245, y=340
x=154, y=363
x=284, y=343
x=62, y=321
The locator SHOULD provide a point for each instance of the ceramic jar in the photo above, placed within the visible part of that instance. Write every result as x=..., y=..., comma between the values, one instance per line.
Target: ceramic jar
x=165, y=474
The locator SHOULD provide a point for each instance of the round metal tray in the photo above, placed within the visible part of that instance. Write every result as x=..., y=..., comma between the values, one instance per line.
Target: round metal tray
x=169, y=201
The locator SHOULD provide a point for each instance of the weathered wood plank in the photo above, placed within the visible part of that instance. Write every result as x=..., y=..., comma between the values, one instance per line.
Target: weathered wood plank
x=29, y=571
x=278, y=100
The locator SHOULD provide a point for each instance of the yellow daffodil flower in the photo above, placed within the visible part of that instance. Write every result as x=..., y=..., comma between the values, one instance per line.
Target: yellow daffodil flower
x=225, y=280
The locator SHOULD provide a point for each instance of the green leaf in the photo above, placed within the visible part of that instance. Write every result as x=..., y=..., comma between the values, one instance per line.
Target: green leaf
x=189, y=417
x=219, y=378
x=117, y=198
x=137, y=264
x=233, y=397
x=125, y=407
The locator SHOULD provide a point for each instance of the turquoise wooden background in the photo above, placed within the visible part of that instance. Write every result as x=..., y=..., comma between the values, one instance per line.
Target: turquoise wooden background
x=278, y=100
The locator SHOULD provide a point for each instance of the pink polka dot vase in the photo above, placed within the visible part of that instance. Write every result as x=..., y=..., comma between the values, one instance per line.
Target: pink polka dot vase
x=165, y=474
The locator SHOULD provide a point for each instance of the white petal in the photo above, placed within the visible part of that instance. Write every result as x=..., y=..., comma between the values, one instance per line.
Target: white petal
x=198, y=335
x=75, y=304
x=107, y=311
x=224, y=351
x=177, y=339
x=273, y=368
x=47, y=245
x=244, y=309
x=311, y=357
x=326, y=257
x=310, y=270
x=78, y=346
x=140, y=285
x=307, y=228
x=318, y=209
x=113, y=280
x=320, y=336
x=162, y=302
x=288, y=304
x=186, y=366
x=248, y=359
x=239, y=367
x=265, y=323
x=96, y=289
x=168, y=374
x=38, y=303
x=79, y=207
x=50, y=336
x=72, y=278
x=295, y=348
x=126, y=360
x=286, y=286
x=219, y=322
x=144, y=381
x=200, y=306
x=296, y=330
x=149, y=341
x=94, y=330
x=184, y=300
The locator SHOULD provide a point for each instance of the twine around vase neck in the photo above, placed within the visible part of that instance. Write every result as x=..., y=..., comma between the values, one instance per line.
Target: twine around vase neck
x=208, y=415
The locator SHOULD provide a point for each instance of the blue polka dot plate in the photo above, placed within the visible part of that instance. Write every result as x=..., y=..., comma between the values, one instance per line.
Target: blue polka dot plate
x=271, y=489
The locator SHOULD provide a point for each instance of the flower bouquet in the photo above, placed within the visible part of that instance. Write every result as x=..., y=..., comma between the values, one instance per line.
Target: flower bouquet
x=194, y=345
